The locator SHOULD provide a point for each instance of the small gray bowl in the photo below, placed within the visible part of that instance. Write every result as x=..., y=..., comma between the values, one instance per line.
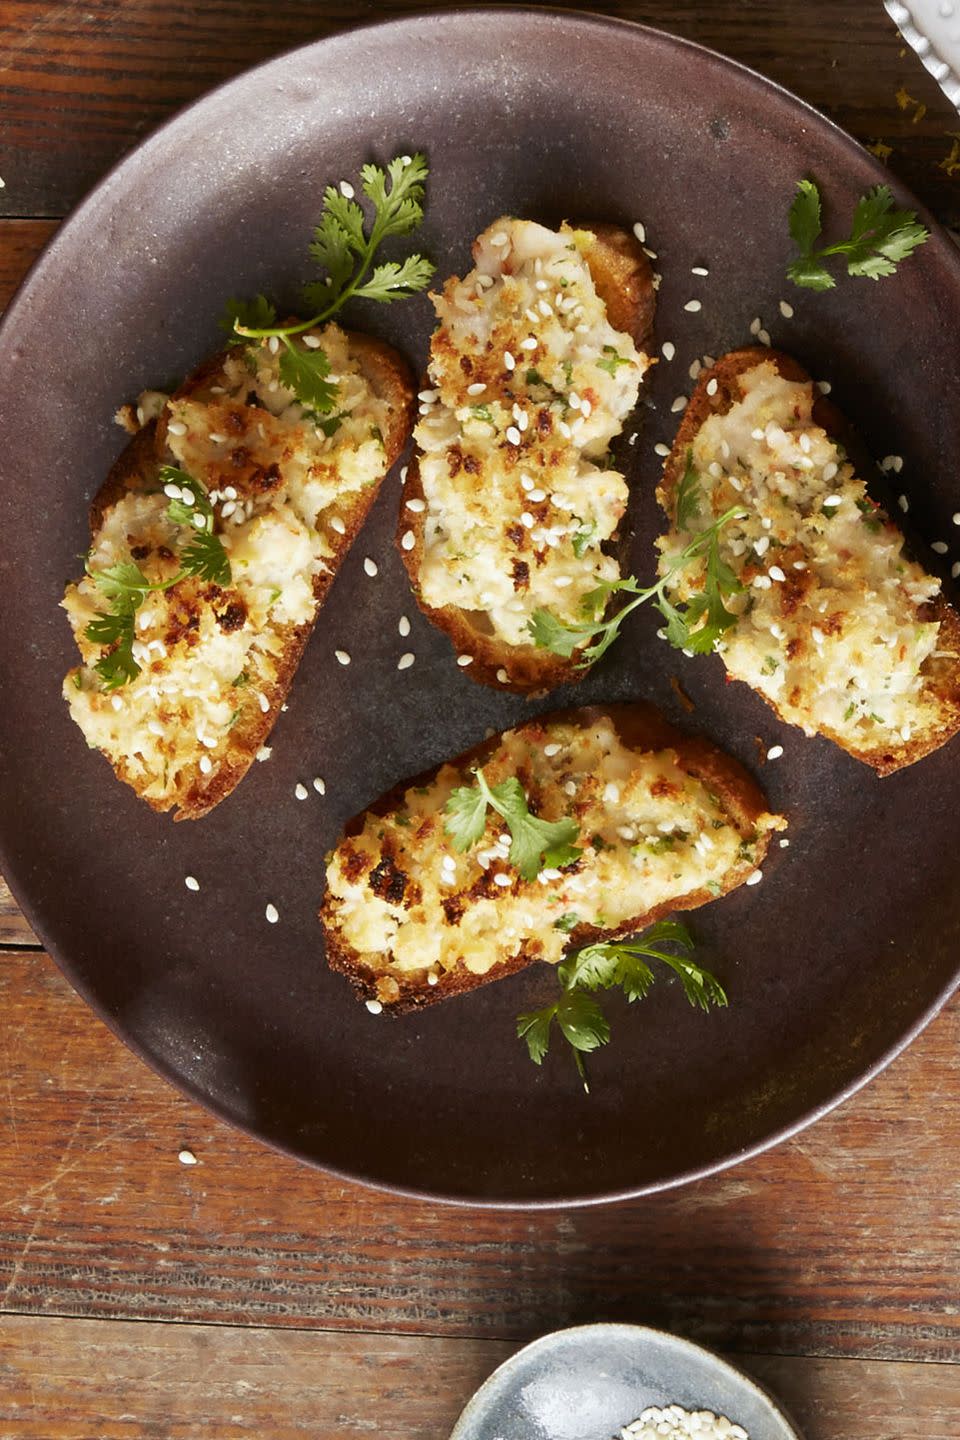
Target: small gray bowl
x=587, y=1382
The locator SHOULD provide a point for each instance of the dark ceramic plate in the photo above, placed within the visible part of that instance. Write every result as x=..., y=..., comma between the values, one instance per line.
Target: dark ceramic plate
x=850, y=943
x=589, y=1382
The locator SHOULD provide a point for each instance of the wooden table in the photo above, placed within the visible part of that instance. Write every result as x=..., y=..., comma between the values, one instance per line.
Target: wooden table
x=304, y=1306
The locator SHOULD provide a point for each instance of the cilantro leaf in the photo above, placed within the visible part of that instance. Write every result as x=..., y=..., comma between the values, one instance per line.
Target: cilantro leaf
x=118, y=666
x=256, y=314
x=582, y=538
x=535, y=844
x=393, y=281
x=881, y=236
x=534, y=1027
x=466, y=812
x=689, y=495
x=206, y=558
x=305, y=373
x=582, y=1022
x=612, y=360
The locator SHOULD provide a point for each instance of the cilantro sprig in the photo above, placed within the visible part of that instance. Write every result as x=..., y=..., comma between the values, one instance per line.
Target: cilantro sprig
x=880, y=237
x=125, y=587
x=613, y=965
x=535, y=844
x=695, y=626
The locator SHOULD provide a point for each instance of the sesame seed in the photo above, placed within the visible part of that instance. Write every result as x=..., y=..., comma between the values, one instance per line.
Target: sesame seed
x=177, y=427
x=786, y=310
x=551, y=749
x=319, y=785
x=562, y=581
x=699, y=270
x=502, y=676
x=187, y=1157
x=904, y=503
x=668, y=349
x=301, y=791
x=755, y=878
x=712, y=387
x=661, y=449
x=477, y=388
x=173, y=492
x=273, y=344
x=403, y=473
x=569, y=788
x=755, y=325
x=693, y=306
x=346, y=190
x=337, y=524
x=433, y=978
x=501, y=238
x=611, y=793
x=762, y=545
x=695, y=369
x=406, y=660
x=417, y=506
x=573, y=400
x=633, y=439
x=312, y=342
x=408, y=540
x=509, y=361
x=762, y=582
x=640, y=231
x=940, y=547
x=530, y=343
x=370, y=566
x=264, y=752
x=464, y=660
x=403, y=626
x=564, y=429
x=513, y=435
x=374, y=1007
x=502, y=880
x=774, y=752
x=833, y=500
x=342, y=656
x=955, y=570
x=776, y=573
x=263, y=701
x=272, y=914
x=428, y=396
x=527, y=520
x=764, y=337
x=206, y=764
x=892, y=462
x=679, y=404
x=191, y=882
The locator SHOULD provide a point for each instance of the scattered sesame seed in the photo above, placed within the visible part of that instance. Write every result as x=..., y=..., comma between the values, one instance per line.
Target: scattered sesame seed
x=187, y=1157
x=530, y=343
x=661, y=449
x=342, y=656
x=774, y=752
x=712, y=386
x=755, y=878
x=776, y=573
x=416, y=506
x=502, y=676
x=272, y=914
x=679, y=404
x=403, y=626
x=955, y=570
x=403, y=473
x=904, y=503
x=786, y=310
x=177, y=427
x=940, y=547
x=173, y=492
x=668, y=349
x=527, y=520
x=273, y=344
x=509, y=361
x=464, y=660
x=695, y=369
x=191, y=882
x=406, y=660
x=476, y=389
x=263, y=701
x=650, y=254
x=502, y=880
x=693, y=306
x=312, y=342
x=633, y=439
x=832, y=500
x=337, y=524
x=433, y=978
x=408, y=540
x=374, y=1007
x=569, y=787
x=513, y=435
x=346, y=190
x=699, y=270
x=370, y=566
x=551, y=749
x=640, y=231
x=501, y=238
x=206, y=764
x=428, y=396
x=764, y=337
x=319, y=785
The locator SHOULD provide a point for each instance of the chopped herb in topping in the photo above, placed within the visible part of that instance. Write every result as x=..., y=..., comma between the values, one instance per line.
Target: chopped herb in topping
x=402, y=820
x=484, y=413
x=714, y=887
x=689, y=495
x=535, y=378
x=877, y=719
x=881, y=236
x=535, y=844
x=582, y=538
x=661, y=844
x=598, y=843
x=240, y=680
x=770, y=665
x=745, y=850
x=567, y=368
x=829, y=510
x=567, y=922
x=614, y=965
x=850, y=711
x=612, y=361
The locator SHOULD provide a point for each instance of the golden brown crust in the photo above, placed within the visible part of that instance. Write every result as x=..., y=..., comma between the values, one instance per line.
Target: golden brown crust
x=623, y=279
x=641, y=727
x=702, y=405
x=136, y=469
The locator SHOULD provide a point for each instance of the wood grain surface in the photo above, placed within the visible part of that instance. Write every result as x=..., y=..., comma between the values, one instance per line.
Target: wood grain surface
x=307, y=1306
x=288, y=1384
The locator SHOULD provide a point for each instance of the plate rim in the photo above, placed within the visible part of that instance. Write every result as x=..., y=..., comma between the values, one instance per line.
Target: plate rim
x=9, y=863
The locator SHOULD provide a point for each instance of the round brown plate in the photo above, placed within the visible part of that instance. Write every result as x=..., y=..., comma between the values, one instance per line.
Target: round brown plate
x=850, y=943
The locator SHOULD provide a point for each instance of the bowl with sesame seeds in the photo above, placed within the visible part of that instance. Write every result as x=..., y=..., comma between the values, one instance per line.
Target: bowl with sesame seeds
x=620, y=1382
x=199, y=943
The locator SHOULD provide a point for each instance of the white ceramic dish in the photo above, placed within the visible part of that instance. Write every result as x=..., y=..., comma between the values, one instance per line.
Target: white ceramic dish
x=932, y=27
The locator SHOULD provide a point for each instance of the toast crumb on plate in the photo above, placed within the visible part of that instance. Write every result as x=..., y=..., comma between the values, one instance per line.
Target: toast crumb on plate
x=837, y=629
x=513, y=502
x=211, y=663
x=666, y=822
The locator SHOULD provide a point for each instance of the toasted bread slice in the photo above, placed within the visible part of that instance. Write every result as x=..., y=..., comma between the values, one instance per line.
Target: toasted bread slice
x=839, y=632
x=512, y=502
x=215, y=660
x=666, y=822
